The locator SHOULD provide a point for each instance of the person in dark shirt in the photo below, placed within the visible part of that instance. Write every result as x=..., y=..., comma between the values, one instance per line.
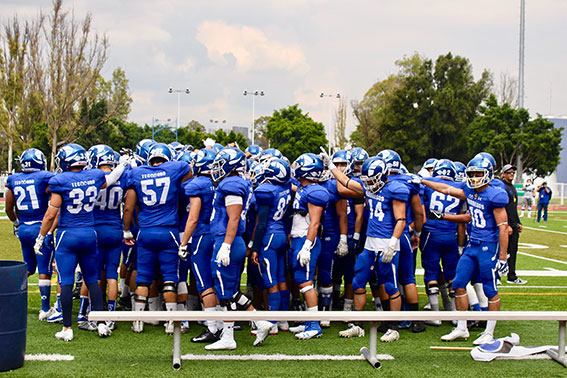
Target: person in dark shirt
x=543, y=196
x=515, y=227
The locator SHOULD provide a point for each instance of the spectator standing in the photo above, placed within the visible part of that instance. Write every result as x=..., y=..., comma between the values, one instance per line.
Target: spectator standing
x=515, y=227
x=544, y=196
x=528, y=201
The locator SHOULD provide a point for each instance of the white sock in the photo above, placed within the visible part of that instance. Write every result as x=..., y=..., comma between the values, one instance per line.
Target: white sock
x=139, y=306
x=377, y=303
x=220, y=323
x=482, y=299
x=181, y=307
x=170, y=306
x=462, y=325
x=153, y=303
x=228, y=330
x=211, y=324
x=471, y=293
x=348, y=305
x=490, y=325
x=314, y=308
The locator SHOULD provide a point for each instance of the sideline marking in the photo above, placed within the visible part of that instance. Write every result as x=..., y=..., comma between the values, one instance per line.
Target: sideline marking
x=278, y=357
x=49, y=357
x=541, y=257
x=539, y=229
x=532, y=246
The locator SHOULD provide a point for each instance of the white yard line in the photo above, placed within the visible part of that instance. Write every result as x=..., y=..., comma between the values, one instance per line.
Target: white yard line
x=278, y=357
x=49, y=357
x=540, y=229
x=542, y=258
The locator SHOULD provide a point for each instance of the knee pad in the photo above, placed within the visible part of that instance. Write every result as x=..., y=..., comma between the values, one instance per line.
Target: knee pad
x=182, y=288
x=433, y=289
x=144, y=284
x=237, y=302
x=169, y=287
x=305, y=289
x=140, y=298
x=450, y=290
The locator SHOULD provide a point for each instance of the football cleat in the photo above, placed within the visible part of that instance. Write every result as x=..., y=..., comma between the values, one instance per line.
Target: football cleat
x=435, y=323
x=169, y=327
x=325, y=324
x=406, y=324
x=297, y=329
x=313, y=330
x=57, y=317
x=417, y=327
x=517, y=281
x=44, y=315
x=455, y=334
x=185, y=327
x=273, y=330
x=222, y=344
x=263, y=330
x=138, y=326
x=352, y=331
x=283, y=325
x=103, y=330
x=206, y=337
x=152, y=322
x=391, y=335
x=88, y=326
x=484, y=338
x=65, y=334
x=111, y=325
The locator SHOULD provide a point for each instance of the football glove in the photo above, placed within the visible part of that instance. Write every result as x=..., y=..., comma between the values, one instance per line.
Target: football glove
x=356, y=242
x=390, y=251
x=461, y=250
x=16, y=227
x=182, y=252
x=38, y=244
x=324, y=156
x=125, y=160
x=502, y=267
x=223, y=255
x=342, y=248
x=435, y=215
x=304, y=255
x=128, y=237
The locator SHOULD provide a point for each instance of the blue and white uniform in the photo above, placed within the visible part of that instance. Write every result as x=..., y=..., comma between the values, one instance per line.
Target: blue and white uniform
x=331, y=234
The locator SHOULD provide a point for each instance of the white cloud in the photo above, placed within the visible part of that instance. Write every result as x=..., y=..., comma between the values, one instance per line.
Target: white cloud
x=250, y=48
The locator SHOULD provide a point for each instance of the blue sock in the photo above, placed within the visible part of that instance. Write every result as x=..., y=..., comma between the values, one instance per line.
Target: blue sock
x=274, y=301
x=67, y=304
x=111, y=305
x=96, y=296
x=84, y=305
x=476, y=307
x=284, y=300
x=45, y=292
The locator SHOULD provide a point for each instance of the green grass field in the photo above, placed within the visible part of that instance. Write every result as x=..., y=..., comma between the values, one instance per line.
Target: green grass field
x=149, y=354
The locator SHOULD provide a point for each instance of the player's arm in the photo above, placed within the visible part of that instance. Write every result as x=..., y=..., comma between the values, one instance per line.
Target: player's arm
x=192, y=219
x=341, y=207
x=51, y=214
x=501, y=219
x=315, y=213
x=359, y=216
x=445, y=188
x=399, y=208
x=129, y=207
x=187, y=176
x=233, y=211
x=11, y=206
x=259, y=230
x=418, y=217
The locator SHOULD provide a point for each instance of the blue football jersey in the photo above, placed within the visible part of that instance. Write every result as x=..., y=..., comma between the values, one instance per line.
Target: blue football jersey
x=230, y=186
x=481, y=207
x=202, y=187
x=107, y=206
x=184, y=206
x=30, y=192
x=351, y=214
x=312, y=193
x=277, y=197
x=381, y=222
x=79, y=191
x=443, y=203
x=157, y=189
x=330, y=219
x=414, y=189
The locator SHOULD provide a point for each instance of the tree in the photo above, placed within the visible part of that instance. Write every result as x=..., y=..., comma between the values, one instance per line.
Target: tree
x=340, y=125
x=508, y=90
x=295, y=133
x=506, y=132
x=260, y=127
x=65, y=63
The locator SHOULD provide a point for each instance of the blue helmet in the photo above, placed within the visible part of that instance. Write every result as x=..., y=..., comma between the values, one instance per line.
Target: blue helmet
x=185, y=156
x=217, y=147
x=404, y=170
x=308, y=166
x=203, y=161
x=479, y=164
x=444, y=168
x=359, y=156
x=227, y=161
x=161, y=151
x=461, y=171
x=188, y=147
x=374, y=174
x=277, y=171
x=342, y=157
x=488, y=156
x=101, y=154
x=33, y=160
x=69, y=156
x=142, y=149
x=255, y=151
x=392, y=160
x=429, y=163
x=256, y=173
x=270, y=153
x=176, y=146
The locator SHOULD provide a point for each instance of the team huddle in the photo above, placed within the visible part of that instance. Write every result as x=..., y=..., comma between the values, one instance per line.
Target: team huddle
x=170, y=227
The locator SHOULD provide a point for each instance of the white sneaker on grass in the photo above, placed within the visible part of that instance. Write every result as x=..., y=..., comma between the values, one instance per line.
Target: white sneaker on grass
x=455, y=334
x=263, y=330
x=44, y=315
x=297, y=329
x=283, y=326
x=103, y=330
x=65, y=334
x=138, y=326
x=484, y=338
x=390, y=336
x=352, y=331
x=222, y=344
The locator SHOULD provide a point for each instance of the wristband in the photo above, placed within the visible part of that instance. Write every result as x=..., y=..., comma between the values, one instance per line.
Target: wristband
x=416, y=233
x=332, y=166
x=250, y=244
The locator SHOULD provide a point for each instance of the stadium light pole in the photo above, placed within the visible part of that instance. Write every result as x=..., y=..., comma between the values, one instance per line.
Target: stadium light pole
x=253, y=94
x=178, y=91
x=329, y=97
x=214, y=123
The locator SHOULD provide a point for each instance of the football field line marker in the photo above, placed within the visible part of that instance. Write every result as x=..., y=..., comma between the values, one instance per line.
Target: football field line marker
x=542, y=258
x=279, y=357
x=49, y=357
x=540, y=229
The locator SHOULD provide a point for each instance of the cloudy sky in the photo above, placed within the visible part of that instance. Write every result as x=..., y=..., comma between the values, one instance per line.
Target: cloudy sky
x=296, y=49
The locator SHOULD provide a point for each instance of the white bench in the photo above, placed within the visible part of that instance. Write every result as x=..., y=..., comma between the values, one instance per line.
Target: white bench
x=363, y=316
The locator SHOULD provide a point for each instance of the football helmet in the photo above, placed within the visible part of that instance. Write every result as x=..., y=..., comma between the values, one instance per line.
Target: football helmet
x=101, y=154
x=277, y=171
x=254, y=150
x=392, y=160
x=479, y=164
x=32, y=160
x=374, y=174
x=203, y=161
x=69, y=156
x=359, y=156
x=488, y=156
x=308, y=166
x=403, y=170
x=342, y=157
x=142, y=149
x=429, y=163
x=159, y=150
x=186, y=156
x=256, y=173
x=460, y=169
x=176, y=146
x=270, y=153
x=227, y=161
x=445, y=168
x=217, y=147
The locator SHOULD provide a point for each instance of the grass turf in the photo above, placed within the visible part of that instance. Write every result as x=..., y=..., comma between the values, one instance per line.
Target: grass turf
x=127, y=354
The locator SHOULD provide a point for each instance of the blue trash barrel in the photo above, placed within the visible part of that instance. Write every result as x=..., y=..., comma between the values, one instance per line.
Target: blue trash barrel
x=13, y=314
